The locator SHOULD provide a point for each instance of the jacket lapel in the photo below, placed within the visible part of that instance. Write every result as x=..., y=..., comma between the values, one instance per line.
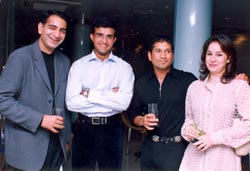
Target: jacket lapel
x=40, y=65
x=58, y=71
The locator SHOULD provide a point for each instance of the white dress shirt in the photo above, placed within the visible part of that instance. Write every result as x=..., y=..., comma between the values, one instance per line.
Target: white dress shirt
x=100, y=77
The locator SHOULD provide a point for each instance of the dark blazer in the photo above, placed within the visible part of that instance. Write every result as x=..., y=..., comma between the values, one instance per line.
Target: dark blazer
x=25, y=95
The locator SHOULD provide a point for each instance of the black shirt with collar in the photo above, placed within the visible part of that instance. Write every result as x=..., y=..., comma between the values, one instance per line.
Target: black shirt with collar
x=170, y=98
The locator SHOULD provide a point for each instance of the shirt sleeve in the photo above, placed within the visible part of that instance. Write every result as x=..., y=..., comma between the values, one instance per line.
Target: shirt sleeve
x=74, y=100
x=239, y=133
x=98, y=100
x=10, y=88
x=116, y=100
x=136, y=107
x=188, y=114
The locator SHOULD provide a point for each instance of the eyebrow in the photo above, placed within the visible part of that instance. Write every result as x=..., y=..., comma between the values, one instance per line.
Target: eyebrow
x=56, y=26
x=215, y=51
x=104, y=34
x=64, y=29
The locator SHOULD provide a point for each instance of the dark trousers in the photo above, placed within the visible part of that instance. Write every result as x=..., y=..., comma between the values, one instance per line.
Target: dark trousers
x=245, y=161
x=161, y=156
x=97, y=143
x=54, y=157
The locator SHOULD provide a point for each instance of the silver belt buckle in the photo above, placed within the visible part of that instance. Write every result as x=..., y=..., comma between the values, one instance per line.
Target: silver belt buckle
x=104, y=121
x=95, y=121
x=155, y=138
x=177, y=138
x=99, y=121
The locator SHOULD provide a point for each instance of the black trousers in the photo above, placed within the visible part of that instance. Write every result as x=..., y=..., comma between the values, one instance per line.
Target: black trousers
x=97, y=143
x=54, y=157
x=161, y=156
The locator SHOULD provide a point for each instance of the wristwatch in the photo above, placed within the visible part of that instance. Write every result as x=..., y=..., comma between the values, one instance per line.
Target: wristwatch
x=85, y=94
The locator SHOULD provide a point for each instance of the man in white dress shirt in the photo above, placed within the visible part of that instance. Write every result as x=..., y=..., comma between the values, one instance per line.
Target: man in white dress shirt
x=100, y=87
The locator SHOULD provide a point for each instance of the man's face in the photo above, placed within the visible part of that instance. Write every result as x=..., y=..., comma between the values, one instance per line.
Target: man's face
x=161, y=56
x=103, y=39
x=52, y=33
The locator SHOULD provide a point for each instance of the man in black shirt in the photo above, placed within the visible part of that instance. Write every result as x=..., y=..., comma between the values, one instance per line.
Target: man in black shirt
x=163, y=147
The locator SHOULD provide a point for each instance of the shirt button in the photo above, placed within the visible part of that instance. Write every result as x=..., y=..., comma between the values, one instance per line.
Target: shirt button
x=50, y=101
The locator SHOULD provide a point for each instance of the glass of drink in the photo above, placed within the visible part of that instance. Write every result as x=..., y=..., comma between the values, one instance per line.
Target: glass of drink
x=153, y=108
x=58, y=111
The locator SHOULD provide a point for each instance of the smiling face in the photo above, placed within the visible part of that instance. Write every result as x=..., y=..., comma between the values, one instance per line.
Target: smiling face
x=52, y=33
x=161, y=56
x=216, y=59
x=103, y=39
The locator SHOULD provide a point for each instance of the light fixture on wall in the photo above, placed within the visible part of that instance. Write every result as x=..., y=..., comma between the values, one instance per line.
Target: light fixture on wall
x=53, y=4
x=240, y=39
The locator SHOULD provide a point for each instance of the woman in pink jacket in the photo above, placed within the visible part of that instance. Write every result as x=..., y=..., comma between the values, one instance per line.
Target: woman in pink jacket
x=211, y=102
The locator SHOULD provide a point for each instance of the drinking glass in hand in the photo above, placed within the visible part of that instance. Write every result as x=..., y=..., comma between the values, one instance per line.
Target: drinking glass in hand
x=153, y=108
x=201, y=132
x=58, y=111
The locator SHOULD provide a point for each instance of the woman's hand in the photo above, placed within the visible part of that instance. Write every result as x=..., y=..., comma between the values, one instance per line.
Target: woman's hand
x=191, y=132
x=204, y=142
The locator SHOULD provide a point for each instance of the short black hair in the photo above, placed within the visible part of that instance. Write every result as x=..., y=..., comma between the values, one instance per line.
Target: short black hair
x=160, y=38
x=103, y=22
x=48, y=13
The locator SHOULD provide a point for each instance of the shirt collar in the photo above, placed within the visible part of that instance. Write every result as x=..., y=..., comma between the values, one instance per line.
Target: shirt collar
x=209, y=86
x=110, y=58
x=172, y=73
x=206, y=81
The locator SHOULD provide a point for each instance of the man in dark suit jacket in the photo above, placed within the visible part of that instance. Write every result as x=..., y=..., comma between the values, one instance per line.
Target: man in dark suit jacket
x=32, y=88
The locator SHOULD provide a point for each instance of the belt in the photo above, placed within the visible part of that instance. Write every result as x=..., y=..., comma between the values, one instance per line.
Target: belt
x=99, y=120
x=164, y=139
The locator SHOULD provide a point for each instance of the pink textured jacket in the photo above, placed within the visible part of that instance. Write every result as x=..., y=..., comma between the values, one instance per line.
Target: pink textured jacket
x=212, y=108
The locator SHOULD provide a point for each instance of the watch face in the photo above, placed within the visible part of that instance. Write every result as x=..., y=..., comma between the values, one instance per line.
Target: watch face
x=85, y=94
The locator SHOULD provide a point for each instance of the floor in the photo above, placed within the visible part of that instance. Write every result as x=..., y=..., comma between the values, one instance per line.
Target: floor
x=131, y=161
